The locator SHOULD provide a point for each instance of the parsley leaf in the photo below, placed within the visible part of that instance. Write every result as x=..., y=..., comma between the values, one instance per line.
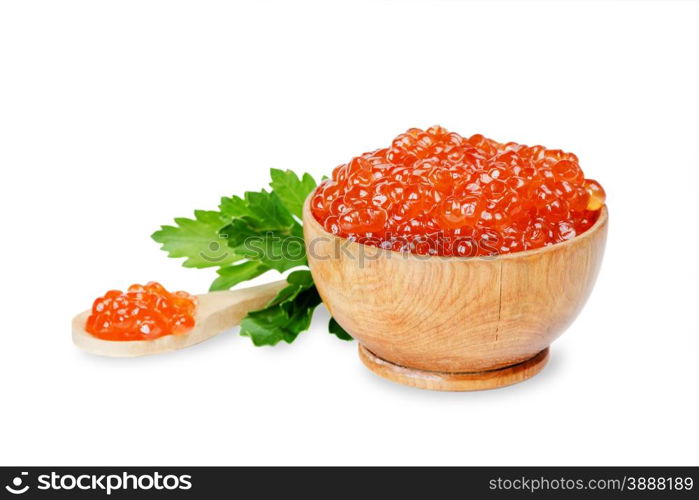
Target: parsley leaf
x=335, y=328
x=292, y=190
x=247, y=237
x=285, y=316
x=198, y=240
x=269, y=210
x=270, y=235
x=230, y=276
x=234, y=206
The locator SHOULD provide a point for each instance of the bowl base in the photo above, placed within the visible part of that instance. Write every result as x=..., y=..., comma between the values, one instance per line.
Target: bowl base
x=454, y=381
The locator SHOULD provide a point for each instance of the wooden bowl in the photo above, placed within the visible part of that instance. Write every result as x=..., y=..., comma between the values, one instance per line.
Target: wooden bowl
x=454, y=323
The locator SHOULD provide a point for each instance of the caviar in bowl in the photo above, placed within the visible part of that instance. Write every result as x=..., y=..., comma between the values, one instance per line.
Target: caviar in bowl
x=445, y=297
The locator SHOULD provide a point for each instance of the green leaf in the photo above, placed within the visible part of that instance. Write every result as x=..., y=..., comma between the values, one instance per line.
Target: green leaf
x=269, y=211
x=297, y=282
x=230, y=276
x=262, y=228
x=198, y=240
x=233, y=206
x=335, y=328
x=303, y=279
x=285, y=316
x=265, y=213
x=275, y=249
x=270, y=235
x=291, y=190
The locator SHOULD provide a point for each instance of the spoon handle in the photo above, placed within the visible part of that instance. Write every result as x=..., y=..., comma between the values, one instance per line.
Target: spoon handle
x=220, y=311
x=216, y=313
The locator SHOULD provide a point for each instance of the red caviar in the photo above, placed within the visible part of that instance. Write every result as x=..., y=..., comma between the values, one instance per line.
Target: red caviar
x=435, y=192
x=143, y=312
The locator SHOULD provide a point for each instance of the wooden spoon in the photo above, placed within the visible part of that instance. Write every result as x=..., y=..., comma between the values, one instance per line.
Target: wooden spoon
x=216, y=313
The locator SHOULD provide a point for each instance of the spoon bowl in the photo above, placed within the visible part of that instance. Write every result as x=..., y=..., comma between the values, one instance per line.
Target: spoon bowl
x=454, y=323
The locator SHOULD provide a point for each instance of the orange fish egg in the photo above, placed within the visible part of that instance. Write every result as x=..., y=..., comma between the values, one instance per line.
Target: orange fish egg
x=438, y=193
x=143, y=312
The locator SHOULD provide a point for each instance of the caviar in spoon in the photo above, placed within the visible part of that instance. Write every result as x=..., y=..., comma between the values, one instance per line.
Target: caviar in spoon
x=150, y=320
x=143, y=312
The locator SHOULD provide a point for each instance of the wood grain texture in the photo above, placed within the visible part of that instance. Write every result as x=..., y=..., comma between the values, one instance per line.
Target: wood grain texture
x=454, y=381
x=454, y=314
x=216, y=313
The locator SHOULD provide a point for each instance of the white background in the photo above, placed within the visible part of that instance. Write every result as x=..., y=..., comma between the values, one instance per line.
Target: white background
x=116, y=117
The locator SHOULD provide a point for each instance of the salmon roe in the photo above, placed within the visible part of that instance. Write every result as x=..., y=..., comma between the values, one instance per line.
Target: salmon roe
x=144, y=312
x=434, y=192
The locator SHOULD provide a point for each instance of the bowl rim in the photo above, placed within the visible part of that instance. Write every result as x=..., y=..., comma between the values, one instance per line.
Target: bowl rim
x=600, y=223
